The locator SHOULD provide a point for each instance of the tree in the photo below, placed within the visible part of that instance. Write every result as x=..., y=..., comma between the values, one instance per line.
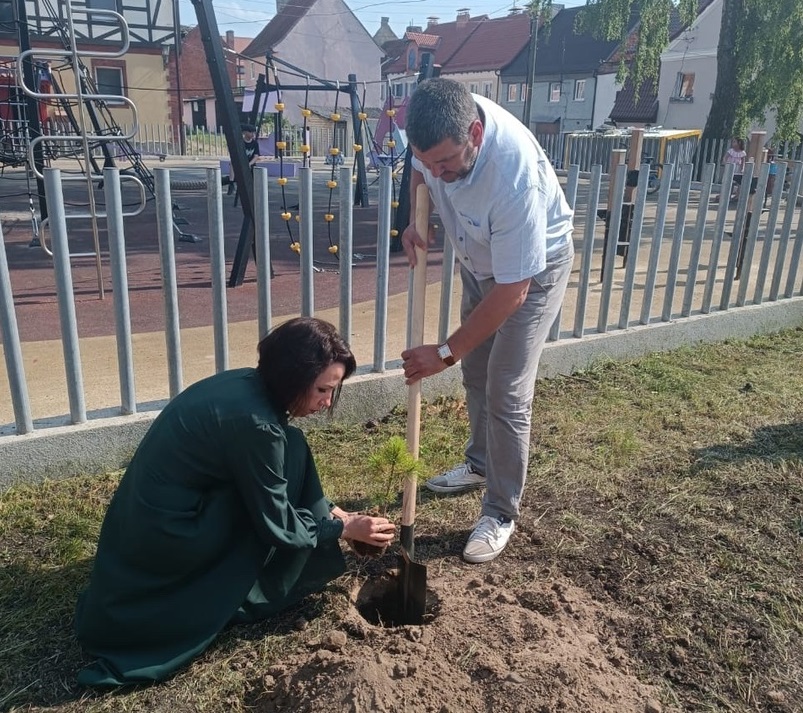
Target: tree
x=759, y=57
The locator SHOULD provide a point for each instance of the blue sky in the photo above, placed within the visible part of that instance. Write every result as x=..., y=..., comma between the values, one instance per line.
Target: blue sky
x=248, y=17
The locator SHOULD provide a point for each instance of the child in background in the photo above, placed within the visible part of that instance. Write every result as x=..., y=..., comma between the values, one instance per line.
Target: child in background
x=251, y=144
x=737, y=156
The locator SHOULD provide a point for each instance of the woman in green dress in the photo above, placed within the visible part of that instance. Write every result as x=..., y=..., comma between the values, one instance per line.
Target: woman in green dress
x=220, y=517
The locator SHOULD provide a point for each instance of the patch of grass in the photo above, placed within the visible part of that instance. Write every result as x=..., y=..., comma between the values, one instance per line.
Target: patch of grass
x=671, y=487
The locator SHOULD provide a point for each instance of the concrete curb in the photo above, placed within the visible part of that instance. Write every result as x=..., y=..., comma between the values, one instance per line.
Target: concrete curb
x=106, y=444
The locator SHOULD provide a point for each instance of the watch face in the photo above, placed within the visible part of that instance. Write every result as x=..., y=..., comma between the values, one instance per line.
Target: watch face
x=444, y=352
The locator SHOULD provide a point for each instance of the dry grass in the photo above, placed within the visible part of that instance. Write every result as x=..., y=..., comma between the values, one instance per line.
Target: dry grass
x=672, y=485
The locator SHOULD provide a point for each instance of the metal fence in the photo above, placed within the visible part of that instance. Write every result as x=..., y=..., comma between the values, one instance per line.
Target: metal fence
x=641, y=259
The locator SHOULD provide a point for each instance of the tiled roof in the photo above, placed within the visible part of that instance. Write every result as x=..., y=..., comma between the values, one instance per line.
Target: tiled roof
x=423, y=40
x=278, y=28
x=494, y=43
x=626, y=110
x=561, y=51
x=465, y=45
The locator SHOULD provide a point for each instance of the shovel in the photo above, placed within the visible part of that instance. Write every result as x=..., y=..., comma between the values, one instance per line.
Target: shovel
x=413, y=588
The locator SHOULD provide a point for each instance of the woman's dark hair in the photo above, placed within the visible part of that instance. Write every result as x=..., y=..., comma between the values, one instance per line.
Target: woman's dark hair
x=294, y=354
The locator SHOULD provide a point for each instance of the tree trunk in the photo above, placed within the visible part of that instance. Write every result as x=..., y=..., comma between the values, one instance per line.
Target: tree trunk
x=722, y=117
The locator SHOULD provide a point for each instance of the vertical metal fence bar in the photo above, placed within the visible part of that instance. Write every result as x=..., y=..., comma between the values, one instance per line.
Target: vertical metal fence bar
x=572, y=180
x=305, y=231
x=587, y=254
x=64, y=294
x=797, y=249
x=167, y=255
x=611, y=239
x=769, y=234
x=752, y=235
x=447, y=287
x=716, y=240
x=11, y=348
x=346, y=250
x=733, y=266
x=633, y=246
x=217, y=266
x=262, y=247
x=656, y=243
x=786, y=230
x=382, y=267
x=677, y=240
x=697, y=239
x=122, y=313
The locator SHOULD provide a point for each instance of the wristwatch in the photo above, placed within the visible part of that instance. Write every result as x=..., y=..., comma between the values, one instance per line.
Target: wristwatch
x=445, y=354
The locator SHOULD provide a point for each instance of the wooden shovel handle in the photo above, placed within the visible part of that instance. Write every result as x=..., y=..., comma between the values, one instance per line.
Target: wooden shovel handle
x=416, y=340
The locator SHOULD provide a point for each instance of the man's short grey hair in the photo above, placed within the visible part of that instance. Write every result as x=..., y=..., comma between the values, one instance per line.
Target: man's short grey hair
x=439, y=109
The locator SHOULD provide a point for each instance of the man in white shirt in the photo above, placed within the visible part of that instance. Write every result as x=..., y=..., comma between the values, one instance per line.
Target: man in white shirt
x=504, y=211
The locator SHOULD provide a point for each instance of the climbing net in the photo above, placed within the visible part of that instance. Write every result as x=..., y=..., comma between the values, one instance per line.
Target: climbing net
x=334, y=159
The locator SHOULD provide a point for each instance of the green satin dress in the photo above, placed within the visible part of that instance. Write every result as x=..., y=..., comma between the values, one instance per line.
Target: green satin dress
x=220, y=518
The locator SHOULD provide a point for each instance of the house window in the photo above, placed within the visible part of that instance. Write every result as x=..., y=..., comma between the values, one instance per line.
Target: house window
x=398, y=91
x=102, y=5
x=110, y=80
x=684, y=87
x=512, y=93
x=523, y=93
x=253, y=71
x=411, y=59
x=383, y=92
x=580, y=90
x=554, y=92
x=487, y=87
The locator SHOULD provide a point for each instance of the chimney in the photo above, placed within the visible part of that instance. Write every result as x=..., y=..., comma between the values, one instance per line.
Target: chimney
x=463, y=16
x=385, y=21
x=432, y=21
x=230, y=39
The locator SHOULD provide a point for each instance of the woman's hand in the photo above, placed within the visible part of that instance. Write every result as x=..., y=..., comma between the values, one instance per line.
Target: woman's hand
x=377, y=531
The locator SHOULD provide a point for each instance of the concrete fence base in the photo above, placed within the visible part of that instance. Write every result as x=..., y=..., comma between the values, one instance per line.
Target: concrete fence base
x=106, y=444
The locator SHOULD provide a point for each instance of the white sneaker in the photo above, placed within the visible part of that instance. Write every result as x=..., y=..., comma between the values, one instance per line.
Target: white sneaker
x=488, y=539
x=457, y=480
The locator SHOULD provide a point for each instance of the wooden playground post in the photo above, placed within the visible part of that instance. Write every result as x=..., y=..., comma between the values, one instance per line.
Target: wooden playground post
x=634, y=158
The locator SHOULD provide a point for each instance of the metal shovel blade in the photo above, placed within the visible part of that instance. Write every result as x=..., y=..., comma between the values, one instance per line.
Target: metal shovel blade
x=413, y=584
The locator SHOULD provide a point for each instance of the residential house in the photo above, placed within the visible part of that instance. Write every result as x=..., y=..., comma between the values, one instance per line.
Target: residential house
x=573, y=87
x=312, y=40
x=141, y=74
x=384, y=34
x=470, y=50
x=689, y=71
x=199, y=104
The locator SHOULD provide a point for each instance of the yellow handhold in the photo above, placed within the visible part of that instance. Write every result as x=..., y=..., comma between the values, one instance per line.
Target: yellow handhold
x=306, y=112
x=357, y=148
x=335, y=116
x=362, y=116
x=287, y=216
x=391, y=144
x=334, y=151
x=281, y=145
x=333, y=249
x=354, y=178
x=394, y=204
x=328, y=217
x=391, y=112
x=295, y=247
x=281, y=181
x=298, y=218
x=304, y=148
x=280, y=106
x=331, y=184
x=394, y=233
